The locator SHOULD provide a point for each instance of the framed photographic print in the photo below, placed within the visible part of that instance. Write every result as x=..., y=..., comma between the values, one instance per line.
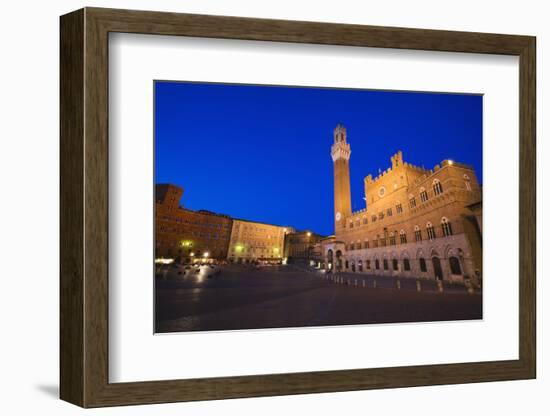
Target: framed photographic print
x=255, y=207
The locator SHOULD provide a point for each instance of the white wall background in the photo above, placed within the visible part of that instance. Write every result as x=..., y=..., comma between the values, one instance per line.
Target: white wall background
x=29, y=159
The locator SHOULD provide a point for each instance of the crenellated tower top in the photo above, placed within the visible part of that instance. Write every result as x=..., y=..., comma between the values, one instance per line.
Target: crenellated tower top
x=340, y=148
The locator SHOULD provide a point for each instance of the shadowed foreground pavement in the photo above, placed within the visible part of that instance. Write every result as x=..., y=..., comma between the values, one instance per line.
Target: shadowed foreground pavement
x=245, y=298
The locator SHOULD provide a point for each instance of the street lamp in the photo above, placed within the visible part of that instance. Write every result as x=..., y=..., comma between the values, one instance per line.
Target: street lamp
x=308, y=247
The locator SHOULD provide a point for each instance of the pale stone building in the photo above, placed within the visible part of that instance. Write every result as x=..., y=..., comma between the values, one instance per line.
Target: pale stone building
x=416, y=223
x=256, y=242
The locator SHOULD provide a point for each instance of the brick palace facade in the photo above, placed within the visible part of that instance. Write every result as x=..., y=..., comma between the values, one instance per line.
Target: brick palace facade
x=416, y=222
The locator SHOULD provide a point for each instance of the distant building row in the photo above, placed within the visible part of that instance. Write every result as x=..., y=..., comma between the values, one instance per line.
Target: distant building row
x=187, y=235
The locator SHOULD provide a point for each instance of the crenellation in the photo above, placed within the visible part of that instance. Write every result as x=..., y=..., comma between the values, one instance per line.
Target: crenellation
x=405, y=201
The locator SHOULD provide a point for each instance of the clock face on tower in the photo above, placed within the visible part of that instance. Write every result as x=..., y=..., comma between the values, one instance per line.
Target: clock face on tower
x=381, y=191
x=338, y=216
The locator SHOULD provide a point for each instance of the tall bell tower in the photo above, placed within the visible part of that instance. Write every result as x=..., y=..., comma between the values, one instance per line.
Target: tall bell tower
x=340, y=152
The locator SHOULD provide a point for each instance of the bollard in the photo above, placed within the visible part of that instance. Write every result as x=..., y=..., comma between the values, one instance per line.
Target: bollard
x=440, y=286
x=363, y=283
x=398, y=284
x=374, y=284
x=418, y=286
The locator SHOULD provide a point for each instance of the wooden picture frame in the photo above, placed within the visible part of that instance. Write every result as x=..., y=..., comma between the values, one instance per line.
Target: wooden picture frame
x=84, y=207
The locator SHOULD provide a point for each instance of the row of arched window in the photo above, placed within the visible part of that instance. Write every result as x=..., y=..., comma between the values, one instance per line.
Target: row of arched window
x=437, y=190
x=454, y=265
x=381, y=241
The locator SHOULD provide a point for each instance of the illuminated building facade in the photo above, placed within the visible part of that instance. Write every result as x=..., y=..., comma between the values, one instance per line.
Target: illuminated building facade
x=416, y=222
x=300, y=246
x=256, y=242
x=187, y=235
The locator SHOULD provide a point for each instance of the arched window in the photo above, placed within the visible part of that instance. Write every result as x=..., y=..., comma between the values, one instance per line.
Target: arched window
x=366, y=244
x=398, y=208
x=455, y=265
x=367, y=262
x=347, y=264
x=438, y=188
x=417, y=233
x=395, y=264
x=423, y=195
x=422, y=263
x=392, y=238
x=403, y=237
x=360, y=265
x=412, y=201
x=430, y=231
x=365, y=220
x=406, y=265
x=353, y=266
x=446, y=227
x=385, y=264
x=377, y=264
x=373, y=218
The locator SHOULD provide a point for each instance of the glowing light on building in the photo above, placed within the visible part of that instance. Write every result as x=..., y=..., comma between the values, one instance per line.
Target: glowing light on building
x=163, y=261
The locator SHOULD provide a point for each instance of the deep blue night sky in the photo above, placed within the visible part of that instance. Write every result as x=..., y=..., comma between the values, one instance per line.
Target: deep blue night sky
x=263, y=153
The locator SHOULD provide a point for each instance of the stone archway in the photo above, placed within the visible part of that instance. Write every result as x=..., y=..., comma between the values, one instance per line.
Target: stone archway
x=454, y=265
x=330, y=260
x=438, y=271
x=338, y=265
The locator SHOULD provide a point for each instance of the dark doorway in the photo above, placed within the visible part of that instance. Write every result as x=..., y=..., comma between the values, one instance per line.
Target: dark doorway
x=455, y=265
x=423, y=266
x=438, y=272
x=338, y=261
